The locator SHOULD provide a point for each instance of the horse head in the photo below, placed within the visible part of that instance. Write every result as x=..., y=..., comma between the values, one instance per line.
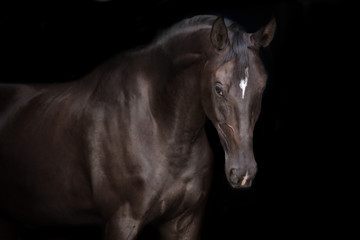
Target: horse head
x=233, y=82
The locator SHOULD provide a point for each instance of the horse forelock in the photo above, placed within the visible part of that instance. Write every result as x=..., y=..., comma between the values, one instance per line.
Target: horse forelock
x=238, y=48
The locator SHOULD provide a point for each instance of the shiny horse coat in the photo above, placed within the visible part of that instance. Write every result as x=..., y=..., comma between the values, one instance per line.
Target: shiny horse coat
x=125, y=146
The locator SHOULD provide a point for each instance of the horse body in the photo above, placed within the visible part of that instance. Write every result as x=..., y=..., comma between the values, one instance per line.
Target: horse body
x=93, y=153
x=124, y=146
x=42, y=169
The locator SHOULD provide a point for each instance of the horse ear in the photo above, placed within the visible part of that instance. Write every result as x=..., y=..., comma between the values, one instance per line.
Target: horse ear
x=219, y=34
x=264, y=35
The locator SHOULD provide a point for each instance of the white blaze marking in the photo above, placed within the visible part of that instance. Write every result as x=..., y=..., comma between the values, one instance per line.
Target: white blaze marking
x=245, y=179
x=243, y=82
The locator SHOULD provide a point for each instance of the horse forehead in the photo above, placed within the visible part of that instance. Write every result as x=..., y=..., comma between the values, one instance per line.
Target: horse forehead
x=225, y=71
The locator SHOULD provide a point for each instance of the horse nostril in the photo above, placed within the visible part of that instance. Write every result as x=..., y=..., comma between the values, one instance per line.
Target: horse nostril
x=234, y=178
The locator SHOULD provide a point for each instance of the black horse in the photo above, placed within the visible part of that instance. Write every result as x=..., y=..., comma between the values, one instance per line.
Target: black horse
x=125, y=146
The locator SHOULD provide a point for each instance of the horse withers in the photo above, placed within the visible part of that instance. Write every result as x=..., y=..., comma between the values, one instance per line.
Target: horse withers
x=125, y=146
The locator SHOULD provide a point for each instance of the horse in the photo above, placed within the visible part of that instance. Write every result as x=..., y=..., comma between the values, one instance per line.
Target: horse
x=125, y=146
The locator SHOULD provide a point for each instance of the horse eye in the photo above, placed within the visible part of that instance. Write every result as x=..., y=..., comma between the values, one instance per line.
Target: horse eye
x=219, y=90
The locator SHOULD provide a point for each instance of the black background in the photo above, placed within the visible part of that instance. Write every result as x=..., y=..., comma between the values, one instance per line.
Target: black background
x=300, y=143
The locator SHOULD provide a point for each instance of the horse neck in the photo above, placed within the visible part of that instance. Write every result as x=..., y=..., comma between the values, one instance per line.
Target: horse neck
x=164, y=79
x=176, y=95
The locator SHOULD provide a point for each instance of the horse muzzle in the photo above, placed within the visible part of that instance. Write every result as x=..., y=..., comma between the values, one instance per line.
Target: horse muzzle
x=241, y=179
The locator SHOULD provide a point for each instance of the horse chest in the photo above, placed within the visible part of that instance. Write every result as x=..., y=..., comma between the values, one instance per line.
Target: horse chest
x=180, y=196
x=187, y=184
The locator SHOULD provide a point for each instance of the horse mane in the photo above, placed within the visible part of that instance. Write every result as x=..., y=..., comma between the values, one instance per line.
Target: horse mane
x=236, y=35
x=190, y=25
x=187, y=25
